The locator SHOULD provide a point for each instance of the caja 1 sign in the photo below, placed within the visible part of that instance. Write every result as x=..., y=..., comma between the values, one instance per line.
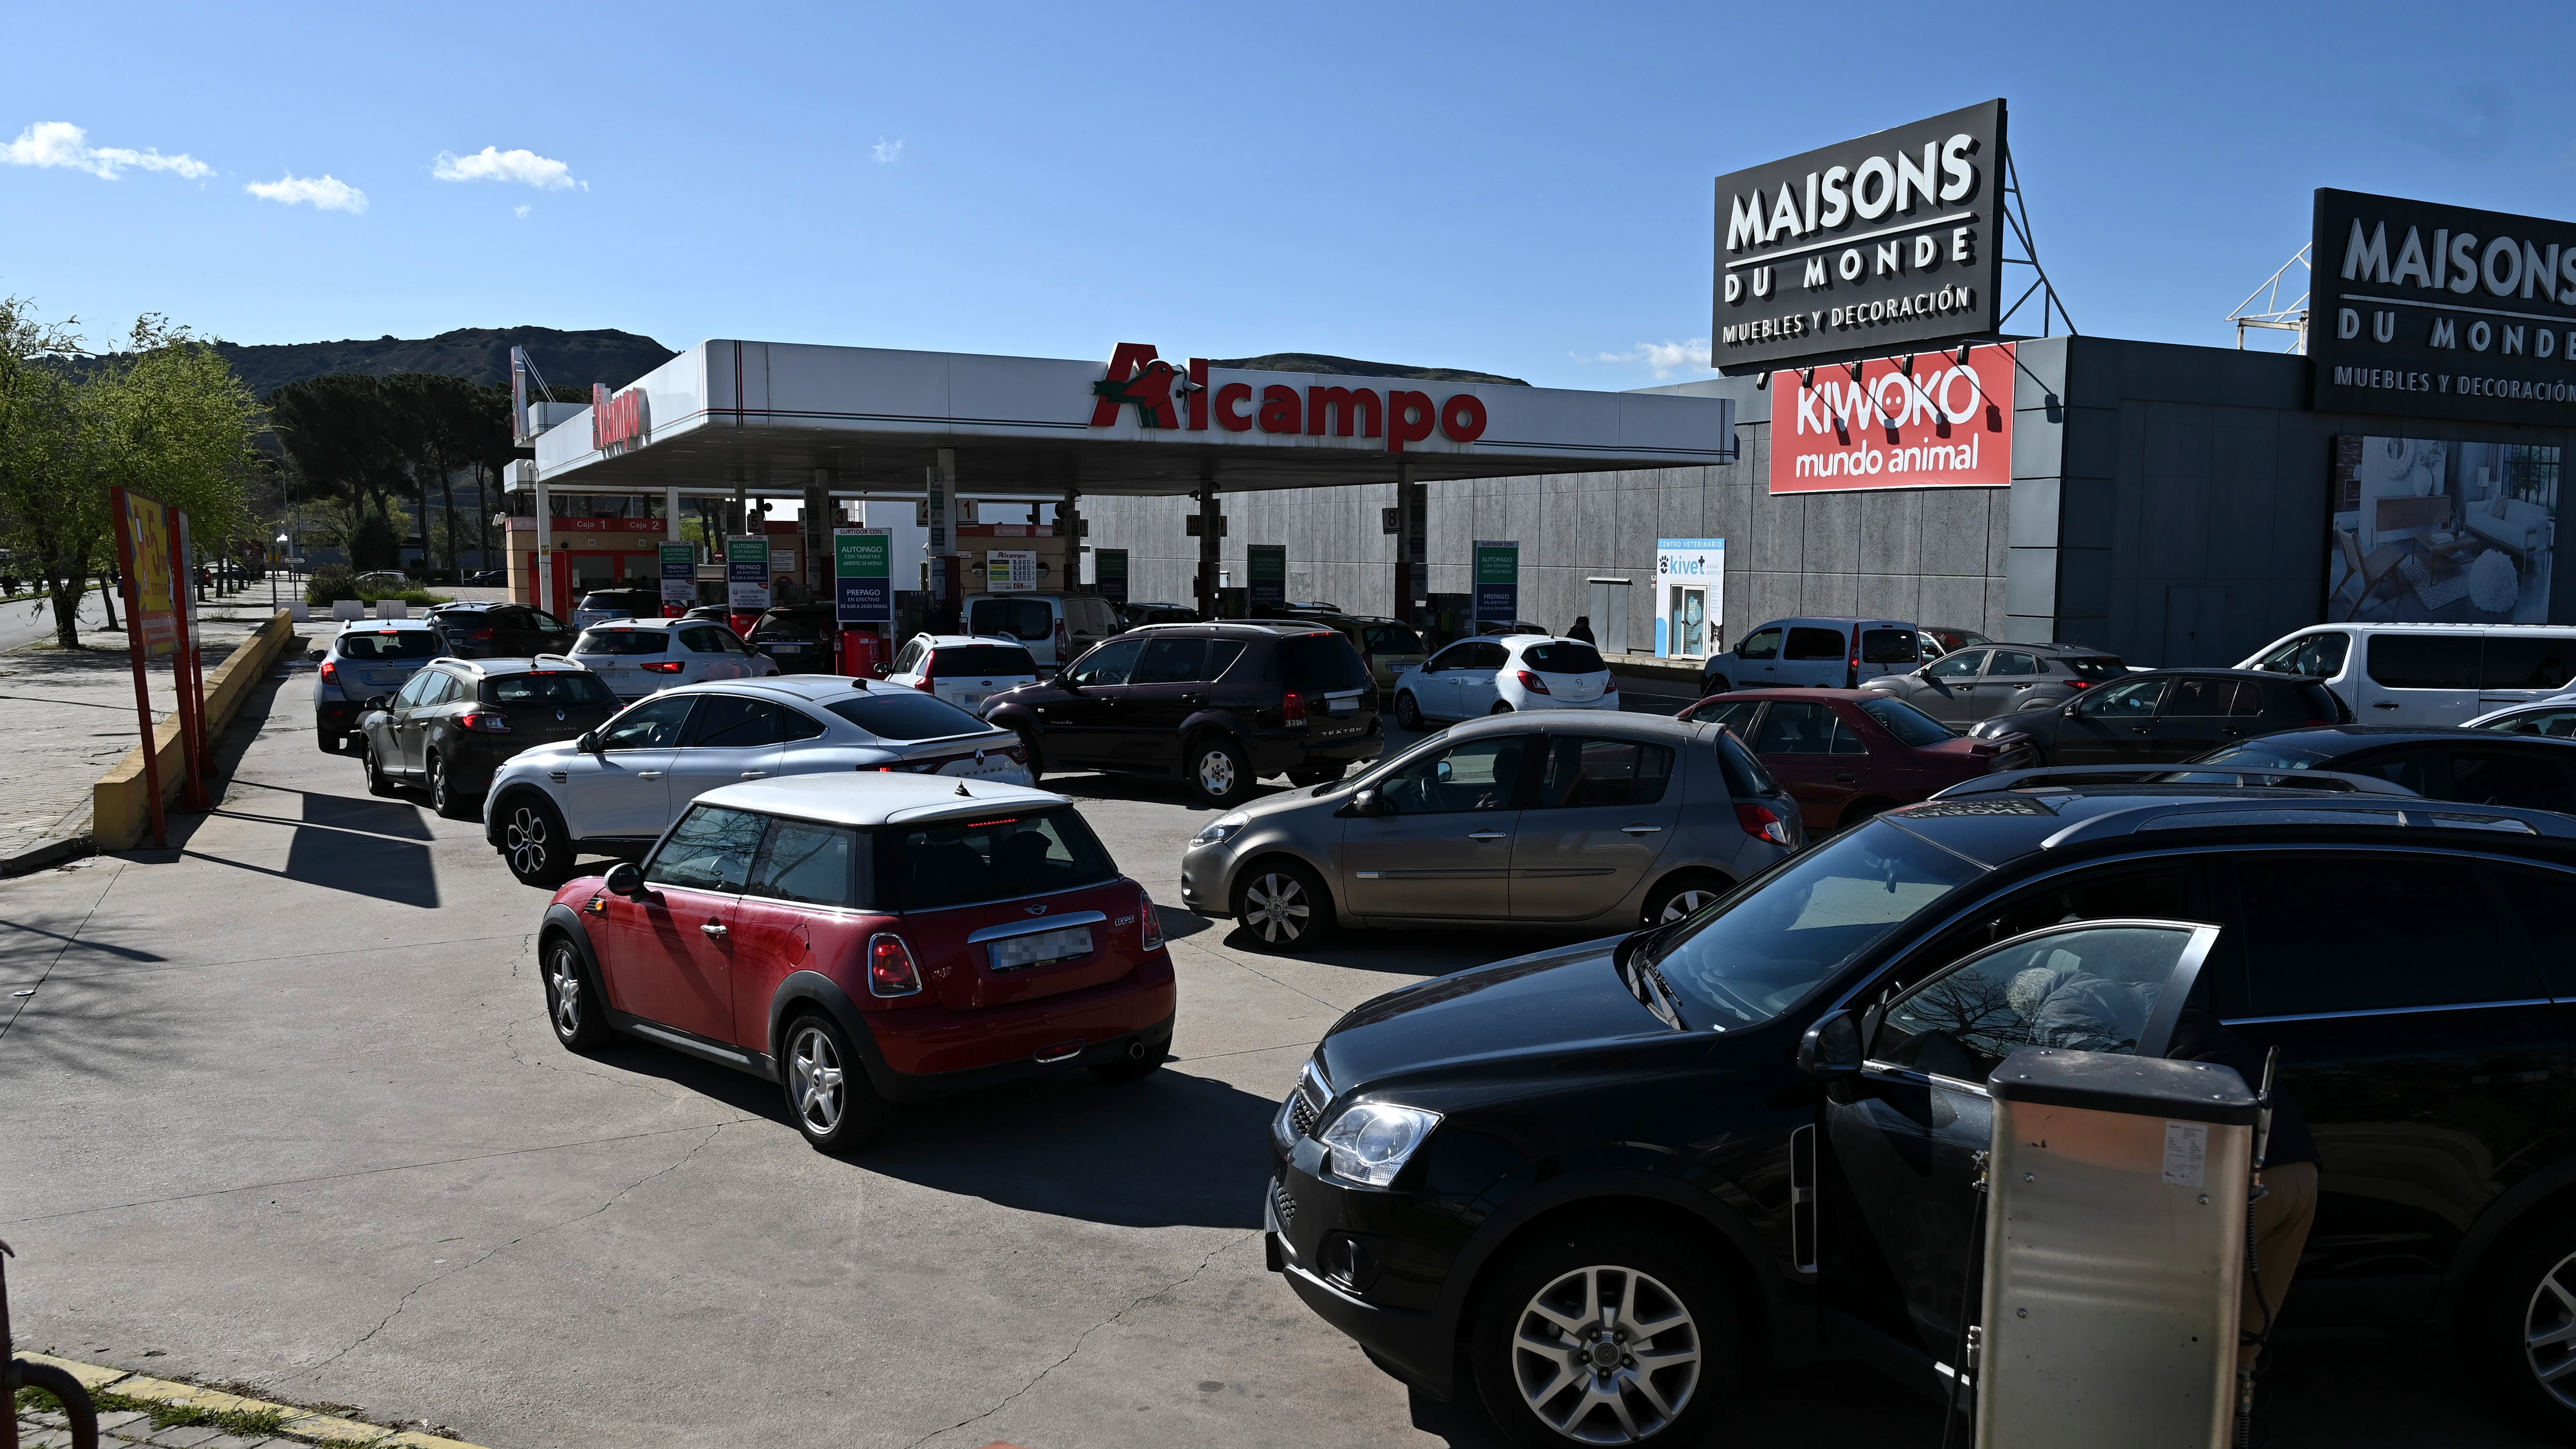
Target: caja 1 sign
x=1928, y=421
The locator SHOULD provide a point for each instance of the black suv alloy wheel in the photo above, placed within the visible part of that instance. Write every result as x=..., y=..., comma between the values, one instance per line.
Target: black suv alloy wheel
x=1604, y=1337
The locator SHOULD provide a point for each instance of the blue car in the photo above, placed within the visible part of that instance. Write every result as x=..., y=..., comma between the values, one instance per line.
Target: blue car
x=1822, y=653
x=366, y=658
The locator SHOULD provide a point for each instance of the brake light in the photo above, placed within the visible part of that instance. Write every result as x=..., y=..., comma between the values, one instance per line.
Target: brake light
x=1610, y=685
x=665, y=666
x=2081, y=683
x=1763, y=823
x=330, y=672
x=1853, y=668
x=490, y=724
x=1292, y=708
x=1153, y=924
x=1018, y=754
x=1063, y=641
x=1533, y=683
x=929, y=662
x=890, y=968
x=478, y=636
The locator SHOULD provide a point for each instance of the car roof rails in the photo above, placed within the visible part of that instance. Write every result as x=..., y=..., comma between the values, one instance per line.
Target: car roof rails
x=2315, y=809
x=560, y=659
x=2274, y=777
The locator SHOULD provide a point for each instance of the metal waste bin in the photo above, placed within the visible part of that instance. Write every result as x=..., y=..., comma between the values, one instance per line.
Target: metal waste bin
x=2115, y=1251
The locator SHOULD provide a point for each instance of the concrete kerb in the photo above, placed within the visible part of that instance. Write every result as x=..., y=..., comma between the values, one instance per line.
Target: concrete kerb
x=121, y=802
x=294, y=1422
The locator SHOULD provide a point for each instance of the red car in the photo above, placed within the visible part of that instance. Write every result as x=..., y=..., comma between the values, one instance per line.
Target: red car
x=868, y=939
x=1846, y=755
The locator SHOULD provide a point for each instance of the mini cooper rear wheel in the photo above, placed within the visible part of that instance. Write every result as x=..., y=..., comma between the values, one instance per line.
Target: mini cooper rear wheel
x=533, y=842
x=827, y=1088
x=1283, y=906
x=572, y=1005
x=1601, y=1337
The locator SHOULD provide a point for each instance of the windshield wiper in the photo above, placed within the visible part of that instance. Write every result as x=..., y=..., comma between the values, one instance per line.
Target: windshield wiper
x=1652, y=991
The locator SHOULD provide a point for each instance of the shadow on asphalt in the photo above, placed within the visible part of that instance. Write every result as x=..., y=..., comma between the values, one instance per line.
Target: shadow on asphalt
x=1431, y=951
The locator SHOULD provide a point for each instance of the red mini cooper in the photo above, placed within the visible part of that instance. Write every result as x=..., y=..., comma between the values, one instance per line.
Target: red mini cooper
x=868, y=939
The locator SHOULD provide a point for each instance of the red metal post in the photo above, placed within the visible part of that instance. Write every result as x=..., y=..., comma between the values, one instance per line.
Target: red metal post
x=135, y=648
x=192, y=735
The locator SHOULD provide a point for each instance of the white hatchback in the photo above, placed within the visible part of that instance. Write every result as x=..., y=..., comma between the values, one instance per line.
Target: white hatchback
x=637, y=657
x=1499, y=676
x=963, y=669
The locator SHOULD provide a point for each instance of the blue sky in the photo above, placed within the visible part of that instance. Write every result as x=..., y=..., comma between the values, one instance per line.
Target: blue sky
x=1521, y=189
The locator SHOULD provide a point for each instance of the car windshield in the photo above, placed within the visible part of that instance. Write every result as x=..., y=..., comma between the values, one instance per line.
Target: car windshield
x=2094, y=670
x=1019, y=618
x=903, y=714
x=1770, y=944
x=1563, y=658
x=622, y=641
x=389, y=644
x=1910, y=725
x=547, y=686
x=930, y=866
x=2258, y=754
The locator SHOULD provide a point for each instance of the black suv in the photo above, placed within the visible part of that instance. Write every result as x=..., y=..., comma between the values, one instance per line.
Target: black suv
x=2166, y=714
x=501, y=631
x=803, y=638
x=1220, y=705
x=455, y=721
x=1751, y=1132
x=2480, y=767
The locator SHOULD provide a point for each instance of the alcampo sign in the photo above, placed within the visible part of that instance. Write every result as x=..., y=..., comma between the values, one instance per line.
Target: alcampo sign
x=1165, y=396
x=1877, y=245
x=2442, y=311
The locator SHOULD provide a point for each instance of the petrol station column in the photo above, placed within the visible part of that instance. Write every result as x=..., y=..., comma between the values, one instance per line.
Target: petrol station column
x=1208, y=524
x=816, y=522
x=1412, y=551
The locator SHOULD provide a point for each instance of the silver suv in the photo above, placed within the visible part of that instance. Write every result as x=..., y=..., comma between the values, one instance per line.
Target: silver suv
x=1598, y=822
x=637, y=657
x=614, y=790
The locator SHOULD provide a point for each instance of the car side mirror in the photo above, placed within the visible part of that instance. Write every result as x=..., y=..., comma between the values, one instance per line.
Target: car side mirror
x=1831, y=1048
x=1366, y=801
x=316, y=656
x=378, y=701
x=588, y=744
x=625, y=878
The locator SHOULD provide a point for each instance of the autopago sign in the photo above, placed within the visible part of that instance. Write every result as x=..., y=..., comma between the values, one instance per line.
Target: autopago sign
x=1875, y=245
x=2442, y=311
x=1165, y=396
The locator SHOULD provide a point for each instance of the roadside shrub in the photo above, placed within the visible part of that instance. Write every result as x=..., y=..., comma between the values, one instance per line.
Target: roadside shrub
x=329, y=584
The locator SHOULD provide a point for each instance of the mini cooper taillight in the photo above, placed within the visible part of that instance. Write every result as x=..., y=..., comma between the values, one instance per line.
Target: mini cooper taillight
x=890, y=968
x=1151, y=923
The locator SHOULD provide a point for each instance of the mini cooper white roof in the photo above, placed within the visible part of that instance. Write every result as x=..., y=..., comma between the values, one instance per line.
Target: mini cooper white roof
x=867, y=798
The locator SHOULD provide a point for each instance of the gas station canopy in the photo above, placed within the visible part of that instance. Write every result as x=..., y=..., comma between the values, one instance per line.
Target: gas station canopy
x=763, y=416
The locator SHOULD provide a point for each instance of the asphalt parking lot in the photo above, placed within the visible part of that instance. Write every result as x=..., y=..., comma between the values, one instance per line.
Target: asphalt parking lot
x=283, y=1109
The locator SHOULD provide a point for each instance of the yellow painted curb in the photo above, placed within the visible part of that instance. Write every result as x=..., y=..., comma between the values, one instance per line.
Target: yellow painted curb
x=303, y=1423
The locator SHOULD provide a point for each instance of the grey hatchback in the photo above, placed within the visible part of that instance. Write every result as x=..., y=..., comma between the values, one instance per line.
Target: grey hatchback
x=1987, y=680
x=1589, y=821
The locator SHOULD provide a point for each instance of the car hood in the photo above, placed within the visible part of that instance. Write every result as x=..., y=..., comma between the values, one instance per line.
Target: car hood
x=1564, y=1008
x=1891, y=682
x=553, y=750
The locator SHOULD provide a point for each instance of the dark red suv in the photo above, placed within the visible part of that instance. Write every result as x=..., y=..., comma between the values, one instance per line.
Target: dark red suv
x=868, y=939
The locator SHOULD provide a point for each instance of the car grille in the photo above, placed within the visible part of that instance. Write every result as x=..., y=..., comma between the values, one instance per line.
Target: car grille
x=1301, y=1114
x=1306, y=1104
x=1286, y=1205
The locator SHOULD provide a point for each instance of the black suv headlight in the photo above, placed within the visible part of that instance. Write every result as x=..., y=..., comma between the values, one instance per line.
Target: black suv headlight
x=1371, y=1142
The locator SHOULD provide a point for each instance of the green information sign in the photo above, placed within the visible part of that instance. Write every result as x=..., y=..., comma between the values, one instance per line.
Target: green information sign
x=747, y=573
x=1266, y=569
x=1498, y=580
x=680, y=574
x=1109, y=574
x=863, y=575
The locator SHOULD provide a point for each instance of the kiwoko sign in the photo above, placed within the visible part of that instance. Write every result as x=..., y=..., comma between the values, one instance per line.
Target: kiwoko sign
x=1165, y=396
x=1881, y=244
x=2442, y=312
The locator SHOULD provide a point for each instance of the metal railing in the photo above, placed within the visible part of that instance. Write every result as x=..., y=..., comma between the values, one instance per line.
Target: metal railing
x=20, y=1374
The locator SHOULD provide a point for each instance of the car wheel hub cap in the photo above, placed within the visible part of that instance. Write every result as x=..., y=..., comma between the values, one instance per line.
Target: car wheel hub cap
x=1606, y=1355
x=814, y=1075
x=2549, y=1331
x=1275, y=906
x=527, y=841
x=567, y=984
x=1216, y=772
x=1684, y=904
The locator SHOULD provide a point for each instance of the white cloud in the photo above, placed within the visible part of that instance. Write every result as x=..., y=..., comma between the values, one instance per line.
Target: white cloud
x=1665, y=358
x=520, y=212
x=326, y=192
x=522, y=167
x=888, y=152
x=60, y=143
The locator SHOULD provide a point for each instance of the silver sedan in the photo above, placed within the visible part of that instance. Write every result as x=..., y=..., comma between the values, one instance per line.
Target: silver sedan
x=1579, y=821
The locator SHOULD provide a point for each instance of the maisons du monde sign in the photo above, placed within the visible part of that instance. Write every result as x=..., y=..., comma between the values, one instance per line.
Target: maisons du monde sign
x=1876, y=245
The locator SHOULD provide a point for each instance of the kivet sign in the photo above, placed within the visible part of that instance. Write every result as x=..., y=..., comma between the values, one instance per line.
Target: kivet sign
x=1168, y=397
x=1926, y=421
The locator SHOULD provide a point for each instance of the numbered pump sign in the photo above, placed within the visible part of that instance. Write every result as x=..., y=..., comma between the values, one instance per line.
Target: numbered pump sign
x=1498, y=580
x=863, y=575
x=746, y=573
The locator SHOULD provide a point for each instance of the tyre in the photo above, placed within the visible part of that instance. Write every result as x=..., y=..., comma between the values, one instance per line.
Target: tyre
x=1219, y=773
x=1312, y=775
x=574, y=1004
x=1284, y=906
x=2521, y=1329
x=378, y=782
x=827, y=1087
x=329, y=740
x=533, y=842
x=445, y=798
x=1407, y=712
x=1679, y=897
x=1037, y=757
x=1136, y=1068
x=1501, y=706
x=1603, y=1337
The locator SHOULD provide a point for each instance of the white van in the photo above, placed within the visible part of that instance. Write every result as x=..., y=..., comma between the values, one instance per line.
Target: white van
x=1056, y=627
x=2427, y=674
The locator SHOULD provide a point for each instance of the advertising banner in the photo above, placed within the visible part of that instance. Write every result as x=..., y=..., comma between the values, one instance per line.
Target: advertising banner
x=1010, y=571
x=1498, y=580
x=2432, y=532
x=680, y=574
x=143, y=550
x=863, y=575
x=1891, y=242
x=2441, y=311
x=1690, y=596
x=1944, y=424
x=1265, y=568
x=1109, y=574
x=747, y=573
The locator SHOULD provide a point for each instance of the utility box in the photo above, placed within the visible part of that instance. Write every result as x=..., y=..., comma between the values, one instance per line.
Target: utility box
x=2115, y=1251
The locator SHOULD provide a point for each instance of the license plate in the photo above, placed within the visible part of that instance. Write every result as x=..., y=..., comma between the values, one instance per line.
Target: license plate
x=1014, y=952
x=1341, y=706
x=788, y=648
x=964, y=698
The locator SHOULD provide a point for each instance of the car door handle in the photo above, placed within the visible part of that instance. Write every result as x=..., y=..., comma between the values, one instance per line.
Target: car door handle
x=1486, y=835
x=2382, y=704
x=2141, y=729
x=715, y=929
x=1194, y=699
x=648, y=774
x=1641, y=830
x=755, y=774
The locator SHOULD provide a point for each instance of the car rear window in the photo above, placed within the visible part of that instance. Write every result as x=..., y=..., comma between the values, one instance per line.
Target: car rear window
x=622, y=641
x=904, y=714
x=1019, y=618
x=389, y=644
x=556, y=687
x=1322, y=664
x=1744, y=774
x=954, y=661
x=1392, y=639
x=2093, y=669
x=777, y=624
x=2523, y=662
x=1889, y=646
x=621, y=599
x=1563, y=658
x=1910, y=725
x=926, y=867
x=1815, y=644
